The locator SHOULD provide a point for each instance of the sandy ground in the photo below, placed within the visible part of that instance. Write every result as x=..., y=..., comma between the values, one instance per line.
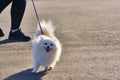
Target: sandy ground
x=89, y=31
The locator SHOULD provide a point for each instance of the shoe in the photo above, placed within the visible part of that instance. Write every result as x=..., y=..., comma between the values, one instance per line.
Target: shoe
x=18, y=35
x=1, y=33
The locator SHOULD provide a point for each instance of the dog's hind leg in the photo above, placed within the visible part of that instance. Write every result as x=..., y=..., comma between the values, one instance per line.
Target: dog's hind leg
x=50, y=67
x=53, y=65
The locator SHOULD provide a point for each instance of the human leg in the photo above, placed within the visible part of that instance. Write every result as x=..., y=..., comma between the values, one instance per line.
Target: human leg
x=1, y=33
x=4, y=4
x=17, y=12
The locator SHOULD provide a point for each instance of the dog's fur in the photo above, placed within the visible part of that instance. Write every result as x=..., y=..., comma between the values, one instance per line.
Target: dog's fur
x=46, y=48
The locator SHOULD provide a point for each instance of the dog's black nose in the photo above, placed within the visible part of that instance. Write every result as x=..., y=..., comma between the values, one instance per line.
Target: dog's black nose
x=48, y=46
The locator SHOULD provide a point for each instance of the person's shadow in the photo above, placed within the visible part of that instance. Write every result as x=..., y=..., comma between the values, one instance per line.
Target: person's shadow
x=5, y=41
x=27, y=75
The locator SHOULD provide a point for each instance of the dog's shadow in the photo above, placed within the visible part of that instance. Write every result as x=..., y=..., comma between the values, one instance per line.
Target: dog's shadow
x=27, y=75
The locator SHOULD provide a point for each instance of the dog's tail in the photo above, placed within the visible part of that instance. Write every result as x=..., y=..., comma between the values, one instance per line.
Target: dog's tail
x=47, y=28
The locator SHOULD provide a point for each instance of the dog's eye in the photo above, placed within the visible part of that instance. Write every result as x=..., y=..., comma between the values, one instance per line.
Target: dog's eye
x=45, y=43
x=51, y=44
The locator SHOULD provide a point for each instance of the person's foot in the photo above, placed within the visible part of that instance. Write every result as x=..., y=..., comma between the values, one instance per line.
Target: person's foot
x=18, y=35
x=1, y=33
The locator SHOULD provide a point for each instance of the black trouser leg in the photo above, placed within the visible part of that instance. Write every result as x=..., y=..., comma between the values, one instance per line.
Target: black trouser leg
x=3, y=4
x=17, y=12
x=1, y=33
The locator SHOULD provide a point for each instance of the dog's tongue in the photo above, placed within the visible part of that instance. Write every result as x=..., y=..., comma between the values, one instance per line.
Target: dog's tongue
x=47, y=49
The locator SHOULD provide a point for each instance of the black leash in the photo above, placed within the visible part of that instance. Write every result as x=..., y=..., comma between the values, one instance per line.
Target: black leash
x=37, y=17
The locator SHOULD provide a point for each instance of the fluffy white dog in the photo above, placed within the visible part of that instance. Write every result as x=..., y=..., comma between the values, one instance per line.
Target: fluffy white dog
x=46, y=48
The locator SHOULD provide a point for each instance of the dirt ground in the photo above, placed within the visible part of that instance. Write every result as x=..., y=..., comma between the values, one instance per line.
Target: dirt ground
x=88, y=29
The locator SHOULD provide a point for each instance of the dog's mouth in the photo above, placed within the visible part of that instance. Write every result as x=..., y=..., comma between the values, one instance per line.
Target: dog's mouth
x=47, y=49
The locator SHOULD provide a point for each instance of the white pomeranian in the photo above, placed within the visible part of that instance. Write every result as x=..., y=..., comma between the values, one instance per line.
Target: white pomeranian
x=46, y=48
